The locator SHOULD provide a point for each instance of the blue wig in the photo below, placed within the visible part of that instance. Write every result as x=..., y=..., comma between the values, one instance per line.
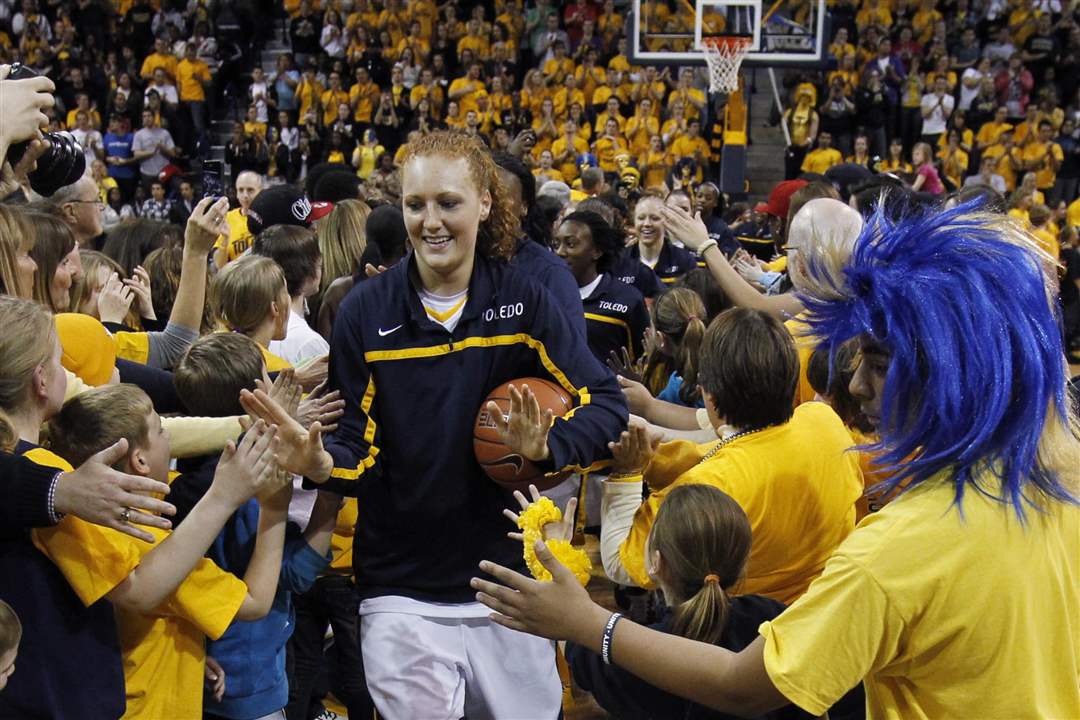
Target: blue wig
x=959, y=298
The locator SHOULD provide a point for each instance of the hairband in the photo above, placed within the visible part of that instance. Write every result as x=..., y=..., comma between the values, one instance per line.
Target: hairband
x=710, y=578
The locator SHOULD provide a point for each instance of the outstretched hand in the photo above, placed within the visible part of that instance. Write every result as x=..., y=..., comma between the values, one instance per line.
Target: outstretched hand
x=206, y=222
x=562, y=530
x=559, y=610
x=634, y=449
x=688, y=229
x=323, y=407
x=525, y=429
x=296, y=448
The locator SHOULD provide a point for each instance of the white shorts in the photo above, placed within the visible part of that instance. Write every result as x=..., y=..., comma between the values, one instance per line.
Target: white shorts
x=420, y=667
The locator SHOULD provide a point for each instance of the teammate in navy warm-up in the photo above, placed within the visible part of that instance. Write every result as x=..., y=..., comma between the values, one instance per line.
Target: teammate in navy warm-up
x=415, y=351
x=653, y=249
x=615, y=314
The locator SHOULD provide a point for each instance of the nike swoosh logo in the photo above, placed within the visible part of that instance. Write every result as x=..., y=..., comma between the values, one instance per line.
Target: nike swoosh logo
x=516, y=460
x=384, y=333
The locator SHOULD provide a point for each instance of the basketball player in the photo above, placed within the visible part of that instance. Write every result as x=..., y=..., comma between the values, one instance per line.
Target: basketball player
x=415, y=351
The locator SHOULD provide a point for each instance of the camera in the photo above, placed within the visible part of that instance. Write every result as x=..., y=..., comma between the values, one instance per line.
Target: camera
x=62, y=164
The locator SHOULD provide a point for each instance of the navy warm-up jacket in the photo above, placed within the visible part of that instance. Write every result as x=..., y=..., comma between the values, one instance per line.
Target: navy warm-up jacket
x=404, y=448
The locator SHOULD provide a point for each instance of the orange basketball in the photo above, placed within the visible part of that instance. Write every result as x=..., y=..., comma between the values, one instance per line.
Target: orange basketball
x=505, y=467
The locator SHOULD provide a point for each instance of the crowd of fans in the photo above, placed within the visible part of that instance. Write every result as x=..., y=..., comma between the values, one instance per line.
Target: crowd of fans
x=789, y=368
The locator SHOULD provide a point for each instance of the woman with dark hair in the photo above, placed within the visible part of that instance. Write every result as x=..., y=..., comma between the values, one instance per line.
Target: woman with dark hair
x=533, y=252
x=128, y=243
x=615, y=314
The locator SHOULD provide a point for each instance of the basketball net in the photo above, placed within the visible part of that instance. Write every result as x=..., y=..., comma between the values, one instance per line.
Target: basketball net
x=724, y=55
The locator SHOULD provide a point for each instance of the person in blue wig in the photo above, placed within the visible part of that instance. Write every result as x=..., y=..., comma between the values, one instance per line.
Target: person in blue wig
x=960, y=598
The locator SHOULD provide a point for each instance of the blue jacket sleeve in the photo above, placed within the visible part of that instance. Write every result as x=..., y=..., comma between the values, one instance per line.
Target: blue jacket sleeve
x=580, y=439
x=355, y=444
x=300, y=565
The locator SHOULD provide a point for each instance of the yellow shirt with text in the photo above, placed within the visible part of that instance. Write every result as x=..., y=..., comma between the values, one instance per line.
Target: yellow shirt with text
x=240, y=238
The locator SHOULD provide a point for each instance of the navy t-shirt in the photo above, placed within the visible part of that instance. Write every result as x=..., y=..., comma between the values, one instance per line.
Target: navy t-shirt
x=625, y=696
x=69, y=658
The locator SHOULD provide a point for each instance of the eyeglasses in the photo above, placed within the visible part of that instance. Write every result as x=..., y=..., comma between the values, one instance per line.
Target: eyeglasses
x=89, y=202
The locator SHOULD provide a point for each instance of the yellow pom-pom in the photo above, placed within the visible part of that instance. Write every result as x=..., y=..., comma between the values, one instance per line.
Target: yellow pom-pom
x=531, y=521
x=538, y=514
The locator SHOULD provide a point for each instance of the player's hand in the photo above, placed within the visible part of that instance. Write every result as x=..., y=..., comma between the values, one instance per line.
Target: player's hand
x=207, y=221
x=687, y=229
x=634, y=450
x=98, y=494
x=559, y=610
x=323, y=407
x=562, y=530
x=638, y=397
x=296, y=448
x=215, y=678
x=139, y=283
x=114, y=300
x=247, y=469
x=525, y=429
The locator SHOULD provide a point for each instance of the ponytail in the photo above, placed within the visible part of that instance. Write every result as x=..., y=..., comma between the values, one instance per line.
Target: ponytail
x=703, y=539
x=680, y=315
x=8, y=437
x=687, y=360
x=704, y=616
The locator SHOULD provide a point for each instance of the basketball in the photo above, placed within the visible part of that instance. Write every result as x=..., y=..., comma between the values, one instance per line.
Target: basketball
x=505, y=467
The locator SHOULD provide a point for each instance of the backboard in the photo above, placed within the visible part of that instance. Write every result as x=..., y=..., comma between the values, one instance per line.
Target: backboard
x=783, y=33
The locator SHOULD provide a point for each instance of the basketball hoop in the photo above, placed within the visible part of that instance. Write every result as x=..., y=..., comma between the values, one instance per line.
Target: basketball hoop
x=724, y=55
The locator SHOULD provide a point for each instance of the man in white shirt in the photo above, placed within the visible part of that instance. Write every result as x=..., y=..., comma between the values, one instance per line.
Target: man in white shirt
x=165, y=89
x=937, y=107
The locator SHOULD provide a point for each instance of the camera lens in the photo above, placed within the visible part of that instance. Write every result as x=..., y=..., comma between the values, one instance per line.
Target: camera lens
x=62, y=164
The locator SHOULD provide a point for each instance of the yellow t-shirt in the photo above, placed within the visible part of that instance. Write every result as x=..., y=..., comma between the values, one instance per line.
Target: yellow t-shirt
x=188, y=75
x=239, y=237
x=568, y=167
x=341, y=542
x=273, y=362
x=940, y=616
x=796, y=484
x=329, y=100
x=1045, y=174
x=990, y=132
x=804, y=345
x=163, y=652
x=467, y=101
x=1048, y=242
x=154, y=61
x=818, y=161
x=1072, y=213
